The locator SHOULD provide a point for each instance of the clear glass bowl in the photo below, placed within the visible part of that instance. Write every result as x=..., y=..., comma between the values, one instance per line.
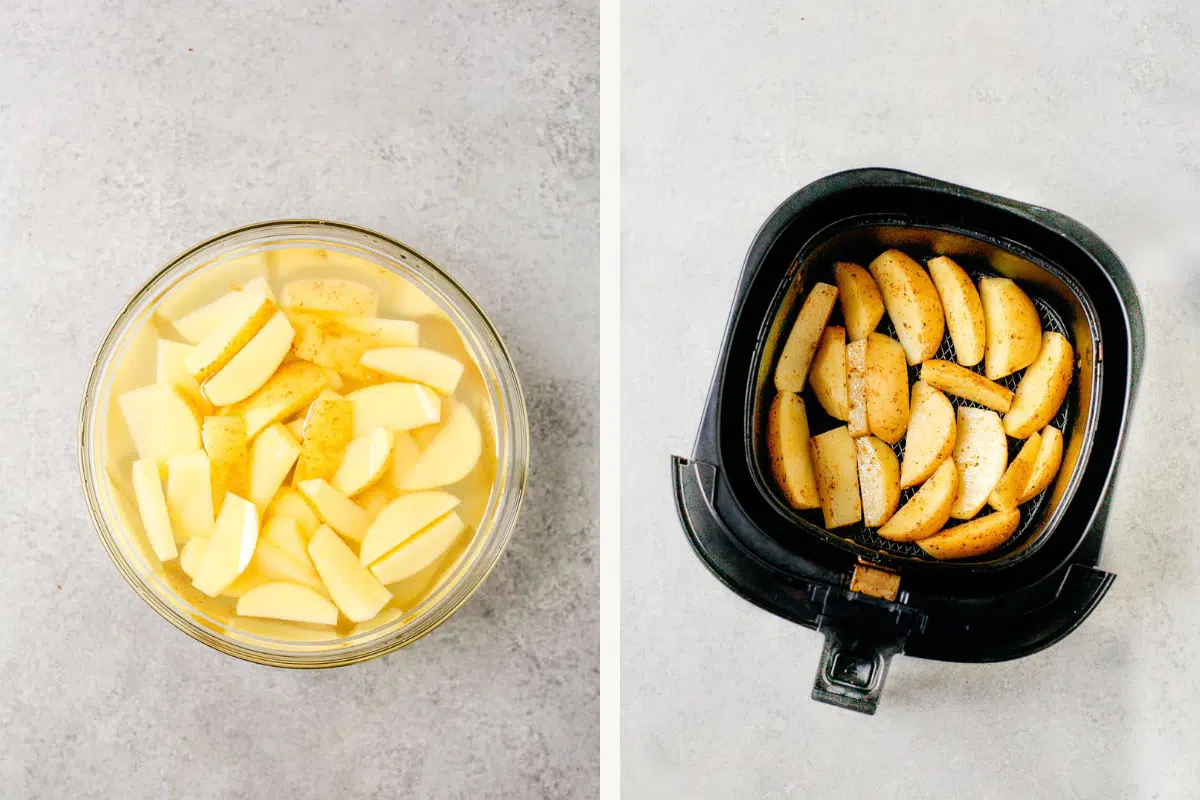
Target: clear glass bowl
x=504, y=401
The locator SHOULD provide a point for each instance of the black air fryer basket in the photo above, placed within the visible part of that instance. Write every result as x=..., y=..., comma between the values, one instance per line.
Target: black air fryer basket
x=1023, y=597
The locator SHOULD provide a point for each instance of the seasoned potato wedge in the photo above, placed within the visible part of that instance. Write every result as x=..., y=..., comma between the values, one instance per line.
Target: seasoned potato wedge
x=856, y=389
x=886, y=387
x=1012, y=485
x=962, y=382
x=1042, y=389
x=963, y=308
x=1046, y=466
x=878, y=480
x=862, y=305
x=912, y=303
x=791, y=372
x=787, y=443
x=931, y=434
x=973, y=538
x=1014, y=332
x=828, y=372
x=926, y=511
x=981, y=454
x=836, y=464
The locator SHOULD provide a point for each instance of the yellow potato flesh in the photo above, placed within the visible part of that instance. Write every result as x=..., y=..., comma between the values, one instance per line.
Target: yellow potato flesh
x=963, y=309
x=862, y=305
x=253, y=365
x=328, y=428
x=230, y=547
x=974, y=538
x=926, y=511
x=791, y=371
x=835, y=462
x=1014, y=332
x=886, y=388
x=827, y=376
x=331, y=295
x=287, y=601
x=290, y=503
x=291, y=388
x=364, y=462
x=417, y=364
x=1046, y=466
x=402, y=518
x=449, y=456
x=856, y=389
x=152, y=507
x=226, y=445
x=912, y=303
x=787, y=445
x=335, y=509
x=285, y=533
x=246, y=316
x=1008, y=491
x=272, y=454
x=981, y=453
x=878, y=480
x=419, y=552
x=1042, y=389
x=931, y=434
x=170, y=370
x=190, y=495
x=160, y=421
x=397, y=406
x=356, y=591
x=962, y=382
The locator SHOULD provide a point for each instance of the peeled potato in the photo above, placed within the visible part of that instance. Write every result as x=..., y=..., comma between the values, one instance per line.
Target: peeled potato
x=973, y=538
x=931, y=435
x=1014, y=332
x=835, y=461
x=1012, y=485
x=787, y=443
x=1042, y=389
x=964, y=310
x=827, y=376
x=912, y=303
x=1049, y=458
x=862, y=305
x=791, y=372
x=878, y=480
x=450, y=455
x=926, y=511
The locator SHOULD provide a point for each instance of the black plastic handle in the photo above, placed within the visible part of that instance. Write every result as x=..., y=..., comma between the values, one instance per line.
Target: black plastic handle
x=852, y=670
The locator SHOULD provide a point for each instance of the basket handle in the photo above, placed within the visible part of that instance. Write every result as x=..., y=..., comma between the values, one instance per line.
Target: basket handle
x=852, y=670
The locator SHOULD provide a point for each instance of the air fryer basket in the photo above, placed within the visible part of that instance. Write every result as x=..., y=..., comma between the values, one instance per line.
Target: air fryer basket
x=1022, y=598
x=1061, y=306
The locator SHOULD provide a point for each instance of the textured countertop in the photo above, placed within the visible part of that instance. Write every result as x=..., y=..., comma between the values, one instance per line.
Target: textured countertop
x=129, y=132
x=1088, y=108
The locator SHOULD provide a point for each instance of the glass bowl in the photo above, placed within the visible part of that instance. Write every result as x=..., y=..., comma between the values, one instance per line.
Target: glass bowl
x=505, y=430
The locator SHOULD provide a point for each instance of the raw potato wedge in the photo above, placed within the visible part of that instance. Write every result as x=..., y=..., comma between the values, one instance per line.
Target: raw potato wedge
x=385, y=332
x=963, y=309
x=161, y=421
x=327, y=340
x=287, y=601
x=272, y=563
x=357, y=592
x=962, y=382
x=152, y=506
x=417, y=364
x=194, y=326
x=291, y=504
x=1046, y=466
x=331, y=295
x=170, y=370
x=247, y=371
x=364, y=462
x=886, y=387
x=926, y=511
x=245, y=317
x=974, y=538
x=835, y=461
x=981, y=453
x=190, y=495
x=405, y=452
x=862, y=305
x=449, y=456
x=787, y=444
x=225, y=443
x=291, y=388
x=191, y=553
x=827, y=376
x=791, y=371
x=335, y=509
x=1042, y=389
x=285, y=533
x=1014, y=332
x=931, y=435
x=1008, y=491
x=403, y=518
x=396, y=406
x=878, y=480
x=272, y=454
x=230, y=547
x=420, y=551
x=328, y=428
x=912, y=302
x=856, y=389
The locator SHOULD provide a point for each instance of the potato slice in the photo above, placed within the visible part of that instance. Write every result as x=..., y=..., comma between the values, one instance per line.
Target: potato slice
x=856, y=389
x=357, y=592
x=327, y=341
x=245, y=317
x=152, y=506
x=385, y=332
x=791, y=371
x=981, y=453
x=296, y=429
x=170, y=370
x=962, y=382
x=878, y=480
x=787, y=444
x=335, y=509
x=230, y=547
x=1046, y=466
x=396, y=406
x=193, y=327
x=331, y=295
x=191, y=554
x=1042, y=389
x=364, y=462
x=1007, y=492
x=228, y=455
x=291, y=388
x=1014, y=332
x=963, y=308
x=973, y=538
x=886, y=388
x=450, y=455
x=411, y=301
x=420, y=551
x=417, y=364
x=291, y=504
x=285, y=534
x=376, y=497
x=161, y=421
x=862, y=305
x=405, y=452
x=404, y=517
x=836, y=465
x=328, y=428
x=287, y=601
x=926, y=511
x=272, y=563
x=827, y=376
x=912, y=303
x=931, y=435
x=190, y=495
x=247, y=371
x=272, y=454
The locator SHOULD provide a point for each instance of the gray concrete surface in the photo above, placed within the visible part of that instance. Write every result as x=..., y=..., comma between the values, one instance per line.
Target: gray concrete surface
x=1088, y=108
x=129, y=131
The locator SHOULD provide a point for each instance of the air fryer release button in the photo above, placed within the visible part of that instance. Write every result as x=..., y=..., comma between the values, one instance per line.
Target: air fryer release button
x=851, y=670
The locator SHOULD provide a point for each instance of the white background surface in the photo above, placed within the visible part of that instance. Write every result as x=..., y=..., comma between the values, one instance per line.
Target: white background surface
x=130, y=131
x=728, y=107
